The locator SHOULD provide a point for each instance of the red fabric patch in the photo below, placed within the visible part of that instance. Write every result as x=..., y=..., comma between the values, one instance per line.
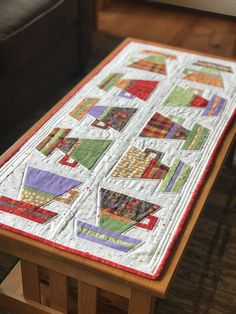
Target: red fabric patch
x=64, y=161
x=199, y=101
x=25, y=210
x=151, y=223
x=142, y=89
x=149, y=169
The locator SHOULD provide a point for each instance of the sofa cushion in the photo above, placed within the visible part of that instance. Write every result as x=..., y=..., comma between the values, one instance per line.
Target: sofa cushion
x=27, y=27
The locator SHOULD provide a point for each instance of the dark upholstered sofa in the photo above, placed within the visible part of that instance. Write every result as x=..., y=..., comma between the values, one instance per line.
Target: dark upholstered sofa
x=42, y=42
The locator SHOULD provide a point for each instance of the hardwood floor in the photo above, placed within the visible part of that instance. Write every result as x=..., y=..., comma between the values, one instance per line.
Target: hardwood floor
x=191, y=29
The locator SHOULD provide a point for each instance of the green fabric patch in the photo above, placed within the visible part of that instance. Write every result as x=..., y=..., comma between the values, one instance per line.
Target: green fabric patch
x=156, y=59
x=198, y=134
x=89, y=151
x=169, y=176
x=47, y=149
x=105, y=113
x=181, y=179
x=104, y=237
x=110, y=81
x=38, y=192
x=189, y=71
x=180, y=97
x=210, y=70
x=114, y=225
x=86, y=105
x=176, y=119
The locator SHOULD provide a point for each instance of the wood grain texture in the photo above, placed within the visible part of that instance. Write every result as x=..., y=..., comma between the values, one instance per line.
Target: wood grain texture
x=141, y=303
x=58, y=291
x=87, y=298
x=189, y=29
x=30, y=281
x=11, y=296
x=19, y=305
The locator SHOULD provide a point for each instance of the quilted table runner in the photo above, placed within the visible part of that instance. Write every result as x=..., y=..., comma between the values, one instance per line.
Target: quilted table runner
x=112, y=173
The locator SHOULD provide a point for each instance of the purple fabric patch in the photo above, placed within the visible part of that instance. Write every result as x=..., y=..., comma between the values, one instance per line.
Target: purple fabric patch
x=172, y=131
x=96, y=111
x=177, y=172
x=219, y=107
x=211, y=103
x=48, y=182
x=125, y=94
x=103, y=242
x=107, y=232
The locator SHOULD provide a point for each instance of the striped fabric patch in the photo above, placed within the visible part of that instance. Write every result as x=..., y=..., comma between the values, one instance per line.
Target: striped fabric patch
x=196, y=138
x=25, y=210
x=160, y=126
x=105, y=237
x=175, y=178
x=83, y=107
x=52, y=141
x=150, y=65
x=162, y=54
x=202, y=77
x=220, y=67
x=110, y=81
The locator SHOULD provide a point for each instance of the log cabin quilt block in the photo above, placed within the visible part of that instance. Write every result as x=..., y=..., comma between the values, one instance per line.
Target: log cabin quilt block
x=112, y=173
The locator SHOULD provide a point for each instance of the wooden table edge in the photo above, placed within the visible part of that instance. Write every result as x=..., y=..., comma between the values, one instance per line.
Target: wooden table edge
x=156, y=287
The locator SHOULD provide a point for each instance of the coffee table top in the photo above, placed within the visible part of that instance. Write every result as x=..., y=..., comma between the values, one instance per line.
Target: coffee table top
x=142, y=94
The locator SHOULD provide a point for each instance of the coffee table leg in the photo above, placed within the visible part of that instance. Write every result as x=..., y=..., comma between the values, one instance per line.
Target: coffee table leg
x=30, y=281
x=58, y=291
x=87, y=298
x=141, y=303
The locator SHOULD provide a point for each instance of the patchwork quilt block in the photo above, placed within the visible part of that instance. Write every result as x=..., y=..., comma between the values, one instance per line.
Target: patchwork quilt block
x=136, y=88
x=113, y=172
x=104, y=116
x=153, y=61
x=76, y=150
x=207, y=73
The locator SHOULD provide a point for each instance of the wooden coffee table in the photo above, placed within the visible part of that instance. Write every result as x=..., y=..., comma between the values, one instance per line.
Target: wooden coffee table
x=21, y=290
